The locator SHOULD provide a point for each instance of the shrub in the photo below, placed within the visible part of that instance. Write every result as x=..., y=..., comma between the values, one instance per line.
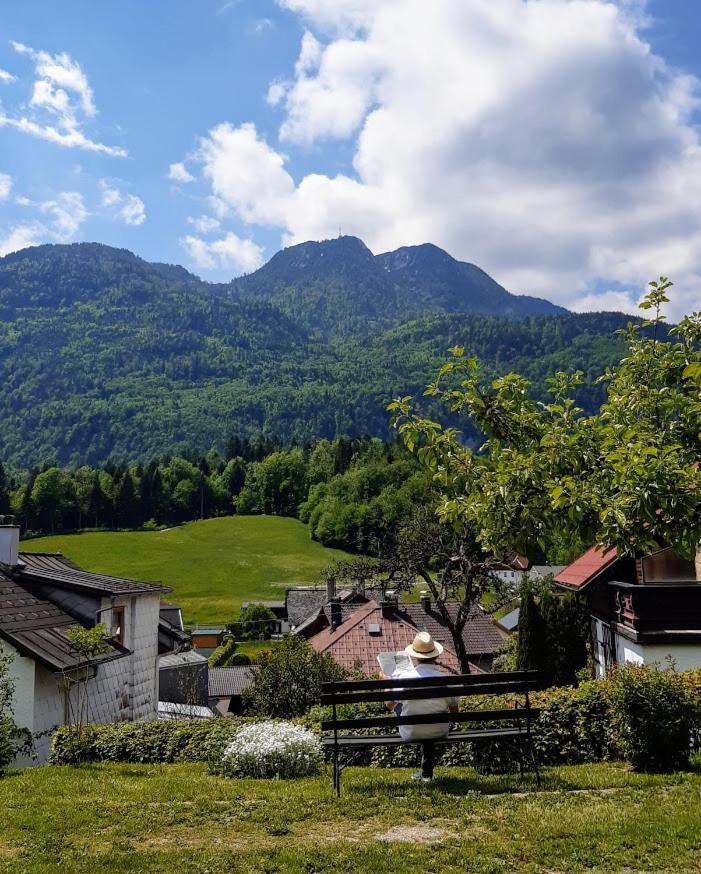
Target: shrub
x=161, y=741
x=222, y=655
x=7, y=743
x=288, y=679
x=272, y=750
x=654, y=715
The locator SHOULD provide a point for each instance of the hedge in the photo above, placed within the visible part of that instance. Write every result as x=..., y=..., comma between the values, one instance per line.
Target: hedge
x=162, y=741
x=599, y=719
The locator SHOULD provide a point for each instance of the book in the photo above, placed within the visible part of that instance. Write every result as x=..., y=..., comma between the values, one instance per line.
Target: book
x=393, y=663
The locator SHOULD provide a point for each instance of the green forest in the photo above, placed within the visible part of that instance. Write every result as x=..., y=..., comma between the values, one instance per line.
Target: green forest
x=105, y=358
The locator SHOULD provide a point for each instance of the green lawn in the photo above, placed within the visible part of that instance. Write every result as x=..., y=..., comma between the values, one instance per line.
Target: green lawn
x=212, y=566
x=142, y=818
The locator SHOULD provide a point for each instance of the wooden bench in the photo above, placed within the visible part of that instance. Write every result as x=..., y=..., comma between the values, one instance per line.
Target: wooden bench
x=512, y=724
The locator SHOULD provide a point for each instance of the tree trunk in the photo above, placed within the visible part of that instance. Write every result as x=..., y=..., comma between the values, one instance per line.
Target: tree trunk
x=460, y=650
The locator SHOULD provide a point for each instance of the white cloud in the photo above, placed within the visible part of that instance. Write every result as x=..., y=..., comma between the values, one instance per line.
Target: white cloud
x=5, y=186
x=178, y=172
x=133, y=211
x=276, y=91
x=6, y=77
x=66, y=213
x=260, y=25
x=58, y=220
x=541, y=139
x=60, y=103
x=246, y=174
x=228, y=252
x=204, y=224
x=127, y=207
x=19, y=238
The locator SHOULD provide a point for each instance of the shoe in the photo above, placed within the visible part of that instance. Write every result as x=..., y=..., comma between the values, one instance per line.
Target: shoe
x=419, y=777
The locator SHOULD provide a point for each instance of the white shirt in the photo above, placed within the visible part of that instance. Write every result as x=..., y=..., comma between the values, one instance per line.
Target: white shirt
x=421, y=706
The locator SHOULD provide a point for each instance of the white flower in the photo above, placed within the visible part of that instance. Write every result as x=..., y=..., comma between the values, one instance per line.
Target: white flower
x=272, y=749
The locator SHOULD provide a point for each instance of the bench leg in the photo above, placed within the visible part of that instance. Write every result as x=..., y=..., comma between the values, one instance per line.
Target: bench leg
x=534, y=759
x=336, y=773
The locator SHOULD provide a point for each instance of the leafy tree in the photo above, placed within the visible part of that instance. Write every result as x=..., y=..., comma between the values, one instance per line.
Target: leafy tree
x=53, y=498
x=255, y=623
x=626, y=476
x=288, y=679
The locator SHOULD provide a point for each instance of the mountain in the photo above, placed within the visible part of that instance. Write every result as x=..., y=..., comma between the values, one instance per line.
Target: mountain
x=105, y=356
x=339, y=288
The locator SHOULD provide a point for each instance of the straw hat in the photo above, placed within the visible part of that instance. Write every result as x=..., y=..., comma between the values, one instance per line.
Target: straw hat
x=424, y=647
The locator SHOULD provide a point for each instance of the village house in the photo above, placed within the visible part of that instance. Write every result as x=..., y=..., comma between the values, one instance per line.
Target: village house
x=355, y=633
x=42, y=596
x=643, y=610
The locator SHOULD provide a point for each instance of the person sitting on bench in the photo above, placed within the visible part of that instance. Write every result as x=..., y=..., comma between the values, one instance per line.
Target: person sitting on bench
x=424, y=652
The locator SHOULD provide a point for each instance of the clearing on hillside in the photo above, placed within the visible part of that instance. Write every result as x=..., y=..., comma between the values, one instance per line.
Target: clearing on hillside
x=213, y=566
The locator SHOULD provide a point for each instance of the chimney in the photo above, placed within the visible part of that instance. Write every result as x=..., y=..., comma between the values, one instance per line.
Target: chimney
x=425, y=599
x=390, y=602
x=330, y=588
x=9, y=541
x=336, y=613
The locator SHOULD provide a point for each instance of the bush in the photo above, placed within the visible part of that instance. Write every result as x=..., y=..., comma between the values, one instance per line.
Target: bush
x=7, y=743
x=162, y=741
x=288, y=679
x=267, y=750
x=222, y=655
x=654, y=716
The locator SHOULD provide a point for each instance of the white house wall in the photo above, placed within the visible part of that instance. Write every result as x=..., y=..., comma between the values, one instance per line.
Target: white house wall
x=22, y=673
x=123, y=690
x=684, y=656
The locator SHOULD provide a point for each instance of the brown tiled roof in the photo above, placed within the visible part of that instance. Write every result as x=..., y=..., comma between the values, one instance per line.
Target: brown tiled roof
x=36, y=628
x=224, y=682
x=56, y=568
x=352, y=643
x=586, y=568
x=482, y=636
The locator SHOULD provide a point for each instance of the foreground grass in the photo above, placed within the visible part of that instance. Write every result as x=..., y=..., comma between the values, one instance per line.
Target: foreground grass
x=213, y=566
x=178, y=818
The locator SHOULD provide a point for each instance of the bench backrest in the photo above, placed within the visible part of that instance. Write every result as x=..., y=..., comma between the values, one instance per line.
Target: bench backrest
x=368, y=691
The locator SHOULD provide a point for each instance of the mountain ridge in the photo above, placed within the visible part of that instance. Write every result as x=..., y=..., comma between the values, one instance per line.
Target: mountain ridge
x=107, y=357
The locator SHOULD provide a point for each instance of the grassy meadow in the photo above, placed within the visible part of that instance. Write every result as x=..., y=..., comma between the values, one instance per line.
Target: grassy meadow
x=212, y=566
x=166, y=818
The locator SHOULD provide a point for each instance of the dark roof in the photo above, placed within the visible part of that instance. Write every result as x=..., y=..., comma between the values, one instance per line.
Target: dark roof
x=586, y=568
x=225, y=682
x=56, y=568
x=36, y=628
x=304, y=602
x=482, y=636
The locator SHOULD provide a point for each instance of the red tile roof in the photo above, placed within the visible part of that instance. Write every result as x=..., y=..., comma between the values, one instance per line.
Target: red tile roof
x=352, y=643
x=586, y=568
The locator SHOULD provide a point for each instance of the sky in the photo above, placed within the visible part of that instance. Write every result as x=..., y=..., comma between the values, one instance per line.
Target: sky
x=555, y=143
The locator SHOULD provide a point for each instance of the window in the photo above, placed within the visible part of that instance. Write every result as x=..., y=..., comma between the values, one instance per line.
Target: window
x=117, y=630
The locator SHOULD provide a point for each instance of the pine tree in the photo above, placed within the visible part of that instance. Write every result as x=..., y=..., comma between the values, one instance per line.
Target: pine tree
x=96, y=501
x=125, y=504
x=4, y=492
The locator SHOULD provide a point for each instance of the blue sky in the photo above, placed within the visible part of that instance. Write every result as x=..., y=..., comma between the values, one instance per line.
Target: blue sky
x=553, y=143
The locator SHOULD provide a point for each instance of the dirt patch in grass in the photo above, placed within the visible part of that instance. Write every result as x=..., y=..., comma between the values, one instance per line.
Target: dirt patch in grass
x=413, y=834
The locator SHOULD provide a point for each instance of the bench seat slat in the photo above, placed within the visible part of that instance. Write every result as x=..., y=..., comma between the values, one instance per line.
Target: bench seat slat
x=396, y=740
x=415, y=691
x=513, y=715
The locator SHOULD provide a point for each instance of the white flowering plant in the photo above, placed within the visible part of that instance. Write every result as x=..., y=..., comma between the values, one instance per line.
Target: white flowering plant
x=272, y=749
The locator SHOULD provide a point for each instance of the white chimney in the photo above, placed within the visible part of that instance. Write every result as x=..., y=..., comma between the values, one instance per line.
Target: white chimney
x=9, y=541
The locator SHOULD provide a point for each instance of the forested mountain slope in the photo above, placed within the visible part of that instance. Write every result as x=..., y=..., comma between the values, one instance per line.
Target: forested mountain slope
x=104, y=356
x=339, y=288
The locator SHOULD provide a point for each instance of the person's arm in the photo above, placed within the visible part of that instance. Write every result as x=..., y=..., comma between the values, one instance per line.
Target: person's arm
x=390, y=705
